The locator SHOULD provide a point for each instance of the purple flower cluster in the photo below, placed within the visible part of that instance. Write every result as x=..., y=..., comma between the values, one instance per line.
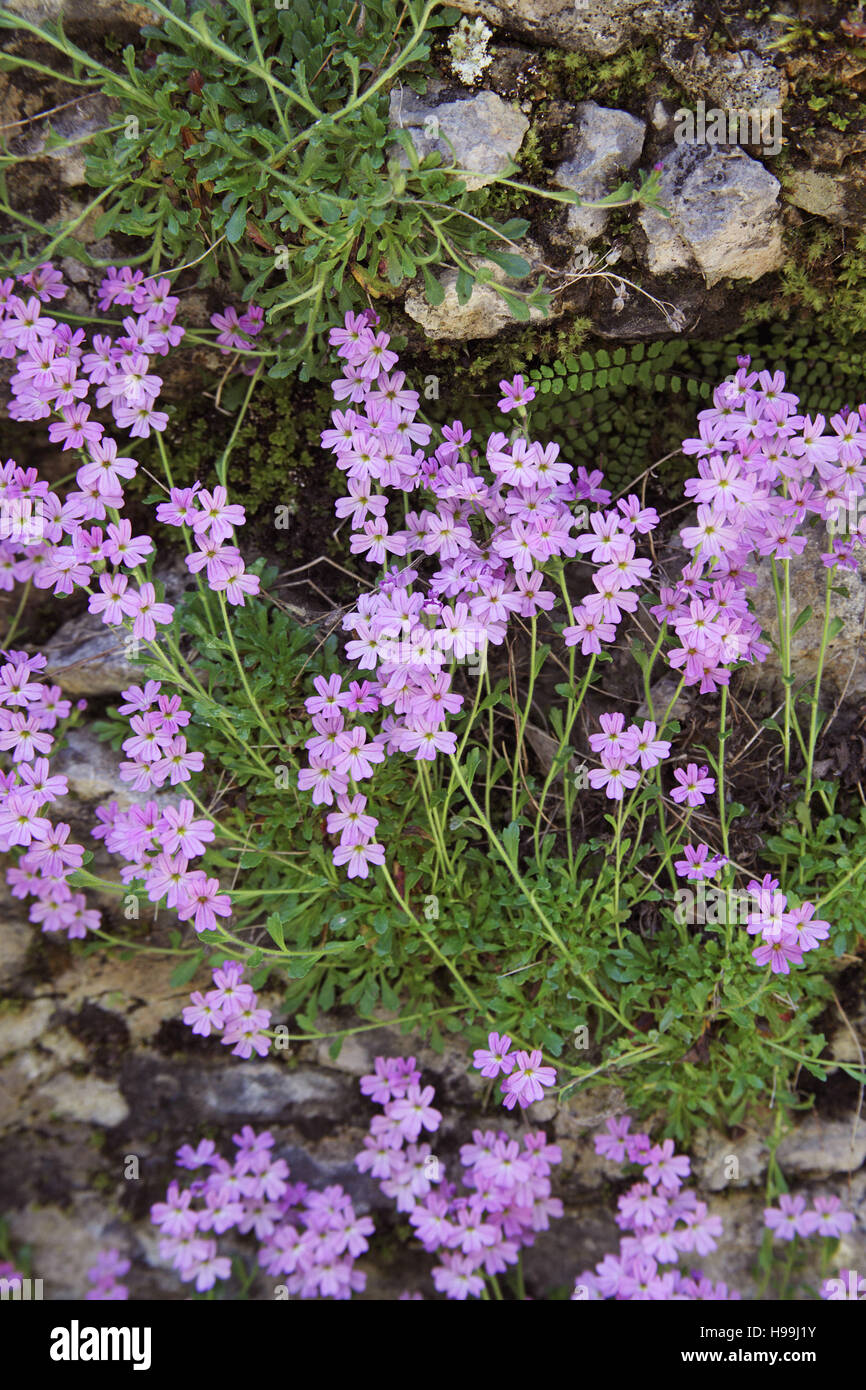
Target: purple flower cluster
x=55, y=377
x=309, y=1238
x=160, y=843
x=28, y=710
x=231, y=1009
x=626, y=752
x=211, y=518
x=507, y=1188
x=237, y=332
x=763, y=469
x=611, y=547
x=791, y=1218
x=786, y=933
x=104, y=1275
x=666, y=1222
x=80, y=541
x=525, y=1077
x=482, y=541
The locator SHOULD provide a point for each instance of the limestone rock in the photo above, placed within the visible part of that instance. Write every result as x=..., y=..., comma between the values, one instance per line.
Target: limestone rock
x=600, y=27
x=265, y=1090
x=85, y=1099
x=724, y=215
x=89, y=657
x=609, y=144
x=836, y=195
x=844, y=666
x=98, y=16
x=721, y=1162
x=485, y=313
x=16, y=936
x=20, y=1028
x=86, y=657
x=822, y=1147
x=741, y=81
x=485, y=131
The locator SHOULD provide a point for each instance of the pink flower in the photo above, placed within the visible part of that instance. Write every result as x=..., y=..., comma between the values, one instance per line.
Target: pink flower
x=515, y=393
x=526, y=1083
x=204, y=902
x=614, y=775
x=694, y=785
x=791, y=1218
x=496, y=1057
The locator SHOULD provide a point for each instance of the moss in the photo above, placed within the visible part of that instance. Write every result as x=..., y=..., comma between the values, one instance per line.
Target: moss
x=619, y=81
x=276, y=462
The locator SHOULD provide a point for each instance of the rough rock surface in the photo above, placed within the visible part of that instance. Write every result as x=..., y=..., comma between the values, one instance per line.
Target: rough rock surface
x=724, y=215
x=741, y=81
x=837, y=195
x=608, y=146
x=844, y=663
x=599, y=27
x=484, y=315
x=96, y=1070
x=481, y=133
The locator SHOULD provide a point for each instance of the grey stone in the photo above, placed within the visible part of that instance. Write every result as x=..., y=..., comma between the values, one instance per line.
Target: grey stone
x=89, y=657
x=724, y=215
x=16, y=936
x=741, y=81
x=485, y=313
x=91, y=771
x=20, y=1028
x=720, y=1162
x=836, y=195
x=599, y=27
x=99, y=16
x=609, y=144
x=485, y=131
x=844, y=667
x=85, y=1099
x=263, y=1090
x=86, y=657
x=822, y=1147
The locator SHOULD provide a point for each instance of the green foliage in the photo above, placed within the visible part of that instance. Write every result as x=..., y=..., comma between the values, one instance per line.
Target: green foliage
x=617, y=81
x=277, y=457
x=620, y=408
x=618, y=990
x=256, y=143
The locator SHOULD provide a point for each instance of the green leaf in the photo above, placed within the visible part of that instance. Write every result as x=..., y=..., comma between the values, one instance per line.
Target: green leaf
x=465, y=282
x=511, y=840
x=432, y=288
x=801, y=619
x=237, y=224
x=520, y=312
x=515, y=266
x=186, y=970
x=275, y=930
